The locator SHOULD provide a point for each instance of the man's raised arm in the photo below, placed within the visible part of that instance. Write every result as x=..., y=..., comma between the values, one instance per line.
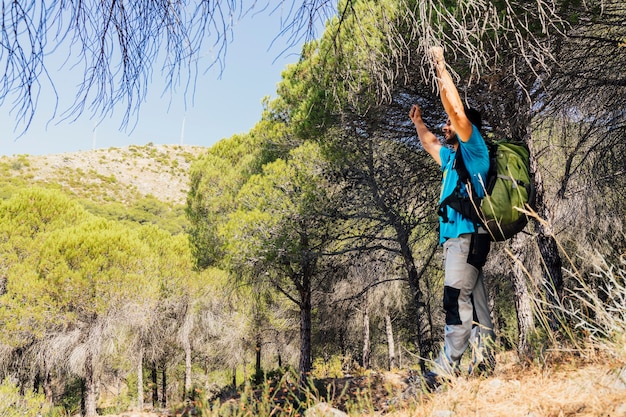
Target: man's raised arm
x=428, y=140
x=450, y=98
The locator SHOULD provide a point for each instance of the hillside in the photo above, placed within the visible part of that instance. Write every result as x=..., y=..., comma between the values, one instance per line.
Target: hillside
x=114, y=174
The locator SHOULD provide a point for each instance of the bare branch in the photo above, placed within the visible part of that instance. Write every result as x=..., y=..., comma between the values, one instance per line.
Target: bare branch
x=118, y=46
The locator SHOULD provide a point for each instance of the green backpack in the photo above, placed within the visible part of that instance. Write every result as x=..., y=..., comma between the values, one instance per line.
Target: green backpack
x=509, y=186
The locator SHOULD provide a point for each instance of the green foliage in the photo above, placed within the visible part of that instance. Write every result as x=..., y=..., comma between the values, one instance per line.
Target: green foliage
x=275, y=209
x=332, y=368
x=276, y=236
x=10, y=186
x=27, y=309
x=95, y=266
x=214, y=184
x=80, y=271
x=146, y=210
x=170, y=261
x=37, y=210
x=150, y=210
x=12, y=404
x=240, y=151
x=67, y=269
x=72, y=395
x=215, y=180
x=26, y=219
x=303, y=101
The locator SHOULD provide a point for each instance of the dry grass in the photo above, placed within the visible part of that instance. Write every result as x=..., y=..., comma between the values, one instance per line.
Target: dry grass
x=569, y=390
x=134, y=414
x=567, y=386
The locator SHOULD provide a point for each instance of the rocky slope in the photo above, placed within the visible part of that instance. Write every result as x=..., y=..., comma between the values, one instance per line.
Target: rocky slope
x=115, y=174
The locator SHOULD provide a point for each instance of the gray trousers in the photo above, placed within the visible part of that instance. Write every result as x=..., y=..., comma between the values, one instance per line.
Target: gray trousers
x=466, y=304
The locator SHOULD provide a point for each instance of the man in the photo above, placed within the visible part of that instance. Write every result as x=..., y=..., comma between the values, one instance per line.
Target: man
x=465, y=243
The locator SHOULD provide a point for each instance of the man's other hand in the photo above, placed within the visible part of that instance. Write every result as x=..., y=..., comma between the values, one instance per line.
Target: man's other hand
x=415, y=114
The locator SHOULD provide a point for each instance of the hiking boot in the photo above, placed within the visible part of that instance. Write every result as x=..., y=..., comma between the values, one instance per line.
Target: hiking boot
x=480, y=370
x=431, y=381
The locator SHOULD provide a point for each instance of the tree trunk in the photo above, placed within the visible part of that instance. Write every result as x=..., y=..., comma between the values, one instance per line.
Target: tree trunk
x=118, y=390
x=525, y=319
x=185, y=336
x=523, y=303
x=494, y=289
x=517, y=117
x=423, y=329
x=548, y=248
x=367, y=348
x=140, y=380
x=391, y=346
x=91, y=391
x=155, y=385
x=187, y=370
x=163, y=384
x=37, y=382
x=305, y=329
x=83, y=390
x=258, y=371
x=428, y=307
x=47, y=387
x=244, y=366
x=553, y=277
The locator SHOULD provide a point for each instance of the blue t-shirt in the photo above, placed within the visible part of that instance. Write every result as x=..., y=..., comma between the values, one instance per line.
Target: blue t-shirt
x=476, y=157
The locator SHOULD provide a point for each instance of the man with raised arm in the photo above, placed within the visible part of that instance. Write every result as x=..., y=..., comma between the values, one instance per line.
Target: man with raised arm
x=465, y=243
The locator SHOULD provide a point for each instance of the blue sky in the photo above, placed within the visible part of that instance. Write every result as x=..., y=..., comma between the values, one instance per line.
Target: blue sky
x=222, y=105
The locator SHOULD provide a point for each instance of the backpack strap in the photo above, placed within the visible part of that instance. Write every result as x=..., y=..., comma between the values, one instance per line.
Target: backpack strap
x=465, y=205
x=459, y=166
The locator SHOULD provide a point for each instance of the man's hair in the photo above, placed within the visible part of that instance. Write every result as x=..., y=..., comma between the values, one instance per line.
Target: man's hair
x=474, y=116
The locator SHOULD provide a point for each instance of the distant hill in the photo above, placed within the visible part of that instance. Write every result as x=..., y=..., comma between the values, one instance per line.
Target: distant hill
x=121, y=175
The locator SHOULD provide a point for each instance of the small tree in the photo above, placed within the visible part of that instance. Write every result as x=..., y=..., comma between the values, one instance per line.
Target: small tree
x=278, y=235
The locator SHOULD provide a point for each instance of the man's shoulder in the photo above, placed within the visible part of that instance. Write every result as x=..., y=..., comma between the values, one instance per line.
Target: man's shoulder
x=476, y=138
x=476, y=143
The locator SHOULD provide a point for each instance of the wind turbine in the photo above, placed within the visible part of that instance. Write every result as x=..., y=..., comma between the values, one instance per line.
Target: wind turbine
x=182, y=130
x=95, y=131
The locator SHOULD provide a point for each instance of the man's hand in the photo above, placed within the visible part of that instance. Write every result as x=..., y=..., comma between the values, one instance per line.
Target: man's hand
x=436, y=54
x=415, y=114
